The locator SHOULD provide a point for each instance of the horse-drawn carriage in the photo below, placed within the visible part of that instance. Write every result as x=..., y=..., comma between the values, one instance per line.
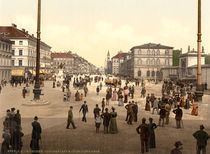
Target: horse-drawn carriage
x=113, y=82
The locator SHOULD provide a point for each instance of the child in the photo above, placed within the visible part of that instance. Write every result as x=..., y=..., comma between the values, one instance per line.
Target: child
x=98, y=123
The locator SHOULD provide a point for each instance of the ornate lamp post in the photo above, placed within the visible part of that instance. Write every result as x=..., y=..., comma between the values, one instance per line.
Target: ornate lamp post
x=199, y=90
x=37, y=90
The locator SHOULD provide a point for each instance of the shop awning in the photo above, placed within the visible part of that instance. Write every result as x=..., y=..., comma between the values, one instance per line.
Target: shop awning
x=32, y=72
x=17, y=72
x=43, y=71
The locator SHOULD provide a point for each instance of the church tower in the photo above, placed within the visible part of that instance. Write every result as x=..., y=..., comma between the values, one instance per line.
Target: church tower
x=108, y=56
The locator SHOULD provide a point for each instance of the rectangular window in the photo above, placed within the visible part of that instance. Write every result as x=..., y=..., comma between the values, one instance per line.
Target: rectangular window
x=13, y=42
x=20, y=52
x=13, y=52
x=13, y=62
x=20, y=63
x=20, y=42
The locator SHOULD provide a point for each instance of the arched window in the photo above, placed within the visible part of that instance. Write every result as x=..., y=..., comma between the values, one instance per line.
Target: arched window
x=153, y=62
x=148, y=52
x=153, y=73
x=158, y=62
x=139, y=73
x=148, y=73
x=153, y=52
x=139, y=52
x=166, y=62
x=140, y=62
x=158, y=52
x=158, y=73
x=148, y=62
x=166, y=52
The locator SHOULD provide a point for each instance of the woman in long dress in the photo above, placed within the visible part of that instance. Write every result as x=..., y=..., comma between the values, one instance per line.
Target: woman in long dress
x=147, y=106
x=195, y=109
x=151, y=127
x=114, y=97
x=113, y=122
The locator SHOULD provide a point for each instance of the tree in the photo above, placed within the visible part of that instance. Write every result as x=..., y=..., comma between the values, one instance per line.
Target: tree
x=176, y=54
x=207, y=59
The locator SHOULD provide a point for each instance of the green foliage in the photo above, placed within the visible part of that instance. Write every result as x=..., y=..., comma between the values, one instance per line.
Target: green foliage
x=207, y=59
x=176, y=54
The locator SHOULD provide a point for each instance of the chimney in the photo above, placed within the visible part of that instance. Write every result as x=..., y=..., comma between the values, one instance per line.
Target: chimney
x=202, y=49
x=188, y=48
x=13, y=25
x=23, y=30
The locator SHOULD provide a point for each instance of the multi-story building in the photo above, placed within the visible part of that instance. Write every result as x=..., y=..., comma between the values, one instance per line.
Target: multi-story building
x=116, y=61
x=5, y=58
x=24, y=51
x=147, y=60
x=65, y=59
x=124, y=69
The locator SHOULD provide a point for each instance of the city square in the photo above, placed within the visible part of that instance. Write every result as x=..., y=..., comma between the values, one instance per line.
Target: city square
x=98, y=81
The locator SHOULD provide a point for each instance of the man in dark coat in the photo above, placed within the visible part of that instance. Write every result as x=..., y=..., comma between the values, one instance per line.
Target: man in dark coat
x=96, y=111
x=129, y=117
x=36, y=136
x=135, y=111
x=18, y=118
x=70, y=118
x=24, y=92
x=201, y=136
x=144, y=135
x=106, y=118
x=178, y=116
x=162, y=115
x=18, y=139
x=84, y=109
x=132, y=92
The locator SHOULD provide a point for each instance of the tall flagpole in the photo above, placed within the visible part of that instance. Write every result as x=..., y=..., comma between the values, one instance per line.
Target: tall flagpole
x=37, y=90
x=199, y=90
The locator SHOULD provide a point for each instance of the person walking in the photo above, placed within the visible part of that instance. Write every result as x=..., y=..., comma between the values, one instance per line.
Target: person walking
x=155, y=106
x=178, y=116
x=84, y=109
x=97, y=90
x=6, y=142
x=103, y=105
x=167, y=109
x=70, y=118
x=36, y=136
x=135, y=111
x=96, y=111
x=18, y=139
x=24, y=92
x=113, y=122
x=152, y=126
x=106, y=119
x=108, y=97
x=144, y=135
x=98, y=122
x=201, y=136
x=18, y=118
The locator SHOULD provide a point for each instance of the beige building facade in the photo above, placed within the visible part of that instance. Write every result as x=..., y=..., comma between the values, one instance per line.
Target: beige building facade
x=147, y=60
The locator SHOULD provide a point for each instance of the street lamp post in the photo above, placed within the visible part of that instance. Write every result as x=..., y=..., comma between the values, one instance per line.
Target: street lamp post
x=199, y=89
x=37, y=90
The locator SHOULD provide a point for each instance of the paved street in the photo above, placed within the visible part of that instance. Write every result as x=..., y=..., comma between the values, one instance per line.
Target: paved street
x=84, y=139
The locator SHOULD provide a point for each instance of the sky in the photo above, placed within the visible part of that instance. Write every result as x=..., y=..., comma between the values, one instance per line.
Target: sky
x=92, y=27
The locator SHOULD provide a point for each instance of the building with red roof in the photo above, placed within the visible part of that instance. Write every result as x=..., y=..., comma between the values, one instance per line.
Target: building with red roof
x=24, y=50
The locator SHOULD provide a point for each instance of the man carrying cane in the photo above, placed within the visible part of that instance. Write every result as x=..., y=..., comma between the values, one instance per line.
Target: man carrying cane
x=84, y=109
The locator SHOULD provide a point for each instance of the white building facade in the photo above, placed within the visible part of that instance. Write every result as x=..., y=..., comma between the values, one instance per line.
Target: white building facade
x=116, y=61
x=24, y=52
x=148, y=59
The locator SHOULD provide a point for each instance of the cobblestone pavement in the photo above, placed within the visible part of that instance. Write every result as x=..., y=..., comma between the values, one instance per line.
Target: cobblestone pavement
x=56, y=139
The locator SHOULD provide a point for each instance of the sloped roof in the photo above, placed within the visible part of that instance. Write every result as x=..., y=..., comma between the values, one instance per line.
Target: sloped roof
x=120, y=55
x=62, y=55
x=4, y=39
x=12, y=32
x=151, y=46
